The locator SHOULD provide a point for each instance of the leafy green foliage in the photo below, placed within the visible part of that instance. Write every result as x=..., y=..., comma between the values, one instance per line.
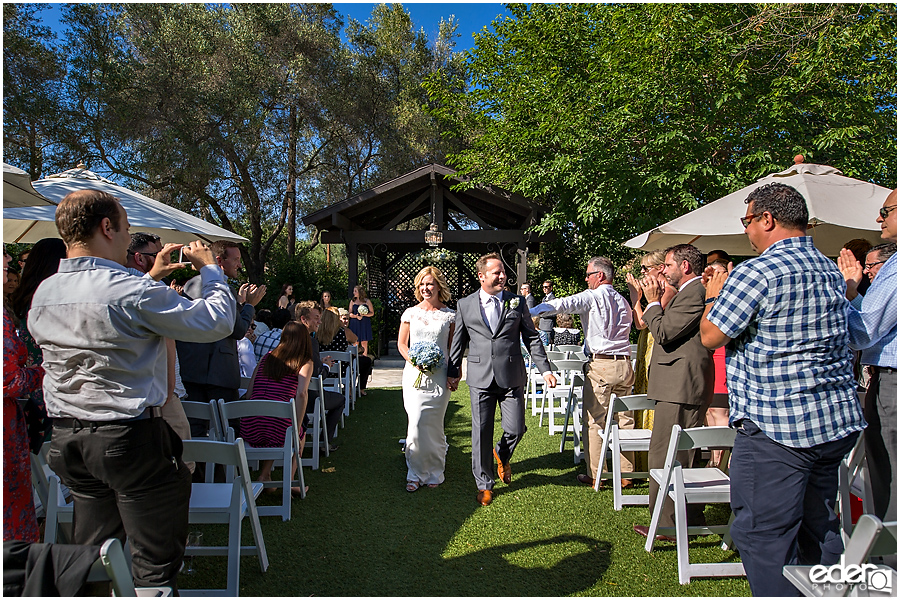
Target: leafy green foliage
x=623, y=116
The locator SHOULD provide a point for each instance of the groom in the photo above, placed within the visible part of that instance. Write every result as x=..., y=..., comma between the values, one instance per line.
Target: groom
x=490, y=322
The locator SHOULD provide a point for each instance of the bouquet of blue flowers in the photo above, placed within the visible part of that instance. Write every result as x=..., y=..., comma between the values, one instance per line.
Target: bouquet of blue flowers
x=427, y=356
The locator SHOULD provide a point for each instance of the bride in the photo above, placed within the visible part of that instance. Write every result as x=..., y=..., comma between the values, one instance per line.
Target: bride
x=428, y=321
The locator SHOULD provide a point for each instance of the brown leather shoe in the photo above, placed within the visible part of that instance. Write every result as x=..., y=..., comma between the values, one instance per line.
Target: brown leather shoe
x=582, y=478
x=484, y=497
x=645, y=531
x=504, y=471
x=627, y=483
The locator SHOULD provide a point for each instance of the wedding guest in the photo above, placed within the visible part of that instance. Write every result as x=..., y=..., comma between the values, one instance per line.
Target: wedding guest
x=246, y=356
x=310, y=314
x=44, y=262
x=681, y=368
x=715, y=255
x=544, y=335
x=282, y=374
x=791, y=389
x=860, y=247
x=547, y=321
x=525, y=290
x=326, y=300
x=565, y=333
x=873, y=330
x=717, y=413
x=109, y=446
x=12, y=282
x=334, y=335
x=19, y=520
x=270, y=339
x=286, y=299
x=606, y=318
x=652, y=265
x=361, y=318
x=263, y=320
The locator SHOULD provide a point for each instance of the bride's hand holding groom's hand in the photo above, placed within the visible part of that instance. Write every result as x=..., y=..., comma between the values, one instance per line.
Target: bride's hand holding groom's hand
x=453, y=383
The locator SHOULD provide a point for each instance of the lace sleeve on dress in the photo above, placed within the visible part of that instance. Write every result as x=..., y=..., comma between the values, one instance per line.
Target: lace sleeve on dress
x=451, y=317
x=407, y=315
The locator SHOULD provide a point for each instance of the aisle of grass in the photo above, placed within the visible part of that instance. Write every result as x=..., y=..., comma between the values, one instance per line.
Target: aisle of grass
x=359, y=533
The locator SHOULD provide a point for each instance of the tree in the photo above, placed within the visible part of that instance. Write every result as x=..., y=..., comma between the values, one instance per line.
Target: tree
x=387, y=130
x=32, y=74
x=206, y=104
x=621, y=117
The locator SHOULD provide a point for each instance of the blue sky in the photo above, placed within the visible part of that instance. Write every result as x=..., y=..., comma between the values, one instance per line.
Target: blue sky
x=471, y=16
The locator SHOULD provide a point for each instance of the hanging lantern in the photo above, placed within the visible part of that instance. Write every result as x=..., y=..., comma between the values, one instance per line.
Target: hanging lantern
x=433, y=237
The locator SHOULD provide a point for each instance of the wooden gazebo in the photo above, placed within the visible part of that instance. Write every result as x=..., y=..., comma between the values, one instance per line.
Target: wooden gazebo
x=471, y=222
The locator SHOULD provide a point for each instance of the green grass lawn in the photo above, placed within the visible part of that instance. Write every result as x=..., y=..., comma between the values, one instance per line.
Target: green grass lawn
x=360, y=533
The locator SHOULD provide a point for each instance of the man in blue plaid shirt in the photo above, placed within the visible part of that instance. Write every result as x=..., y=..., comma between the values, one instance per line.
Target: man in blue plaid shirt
x=873, y=330
x=790, y=384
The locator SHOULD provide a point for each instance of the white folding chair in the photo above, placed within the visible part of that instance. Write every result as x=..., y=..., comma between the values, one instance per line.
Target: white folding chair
x=570, y=349
x=355, y=383
x=285, y=453
x=58, y=510
x=573, y=370
x=870, y=538
x=343, y=362
x=707, y=485
x=318, y=430
x=113, y=566
x=208, y=412
x=550, y=395
x=618, y=441
x=536, y=387
x=229, y=503
x=853, y=479
x=215, y=429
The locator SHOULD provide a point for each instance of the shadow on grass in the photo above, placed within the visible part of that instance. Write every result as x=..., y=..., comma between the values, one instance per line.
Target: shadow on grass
x=359, y=533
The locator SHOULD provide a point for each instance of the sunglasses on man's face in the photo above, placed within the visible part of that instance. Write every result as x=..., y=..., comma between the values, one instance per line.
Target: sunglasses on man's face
x=884, y=211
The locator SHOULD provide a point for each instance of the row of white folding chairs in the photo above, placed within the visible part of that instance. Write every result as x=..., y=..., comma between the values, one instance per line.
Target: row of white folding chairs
x=228, y=502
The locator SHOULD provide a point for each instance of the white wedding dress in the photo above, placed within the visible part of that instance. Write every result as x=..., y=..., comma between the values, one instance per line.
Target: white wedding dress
x=426, y=445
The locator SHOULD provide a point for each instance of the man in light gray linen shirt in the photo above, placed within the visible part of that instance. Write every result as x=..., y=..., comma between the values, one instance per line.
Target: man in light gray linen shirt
x=102, y=333
x=606, y=318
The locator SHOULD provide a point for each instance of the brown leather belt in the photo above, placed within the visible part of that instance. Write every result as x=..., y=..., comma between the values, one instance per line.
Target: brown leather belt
x=610, y=357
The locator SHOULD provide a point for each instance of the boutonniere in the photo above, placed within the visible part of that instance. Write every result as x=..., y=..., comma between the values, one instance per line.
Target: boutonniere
x=514, y=303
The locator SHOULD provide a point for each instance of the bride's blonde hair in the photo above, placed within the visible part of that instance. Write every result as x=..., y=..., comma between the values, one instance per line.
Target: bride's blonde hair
x=439, y=279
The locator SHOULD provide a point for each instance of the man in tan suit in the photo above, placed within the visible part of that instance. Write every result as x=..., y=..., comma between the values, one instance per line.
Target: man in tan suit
x=681, y=368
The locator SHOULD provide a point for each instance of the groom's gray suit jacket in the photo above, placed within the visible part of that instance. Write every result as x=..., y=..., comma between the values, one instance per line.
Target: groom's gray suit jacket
x=495, y=356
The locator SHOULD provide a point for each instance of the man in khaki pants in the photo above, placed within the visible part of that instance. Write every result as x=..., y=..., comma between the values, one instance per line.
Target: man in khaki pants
x=606, y=319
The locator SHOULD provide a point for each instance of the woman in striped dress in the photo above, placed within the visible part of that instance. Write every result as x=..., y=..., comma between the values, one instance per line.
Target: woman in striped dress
x=281, y=374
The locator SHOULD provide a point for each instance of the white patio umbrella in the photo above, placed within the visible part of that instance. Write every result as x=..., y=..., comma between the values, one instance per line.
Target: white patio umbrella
x=17, y=189
x=28, y=225
x=840, y=209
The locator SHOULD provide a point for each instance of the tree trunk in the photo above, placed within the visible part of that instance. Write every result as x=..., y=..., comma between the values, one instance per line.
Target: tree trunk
x=292, y=183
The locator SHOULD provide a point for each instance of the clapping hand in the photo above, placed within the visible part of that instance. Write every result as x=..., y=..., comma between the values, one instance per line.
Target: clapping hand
x=634, y=288
x=251, y=294
x=715, y=281
x=652, y=289
x=851, y=270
